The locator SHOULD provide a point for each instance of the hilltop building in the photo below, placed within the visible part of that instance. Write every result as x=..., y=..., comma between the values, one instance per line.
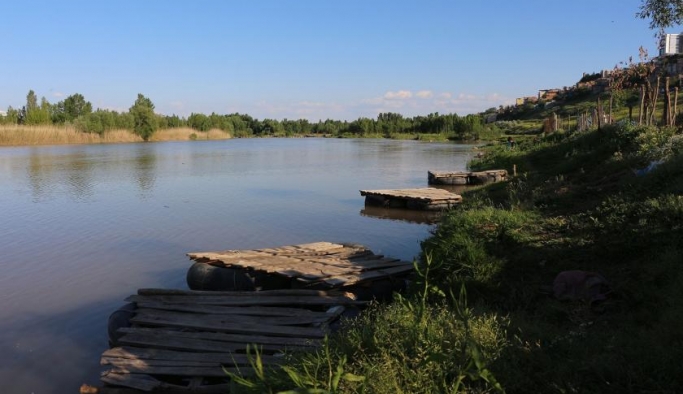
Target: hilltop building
x=671, y=44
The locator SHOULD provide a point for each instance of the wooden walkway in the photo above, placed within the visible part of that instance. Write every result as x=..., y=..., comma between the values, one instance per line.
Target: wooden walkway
x=318, y=265
x=466, y=178
x=429, y=199
x=181, y=341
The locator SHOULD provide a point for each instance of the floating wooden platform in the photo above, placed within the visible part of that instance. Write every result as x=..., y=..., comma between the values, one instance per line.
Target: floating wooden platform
x=313, y=265
x=466, y=178
x=428, y=199
x=181, y=341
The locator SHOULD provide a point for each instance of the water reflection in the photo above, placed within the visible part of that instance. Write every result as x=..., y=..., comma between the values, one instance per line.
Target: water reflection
x=145, y=168
x=51, y=172
x=79, y=176
x=404, y=215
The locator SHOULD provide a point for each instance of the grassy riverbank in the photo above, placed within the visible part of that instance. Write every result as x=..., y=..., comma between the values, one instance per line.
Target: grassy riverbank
x=481, y=316
x=59, y=135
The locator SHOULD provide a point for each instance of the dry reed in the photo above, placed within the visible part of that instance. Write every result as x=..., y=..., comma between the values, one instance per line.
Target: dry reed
x=13, y=135
x=185, y=133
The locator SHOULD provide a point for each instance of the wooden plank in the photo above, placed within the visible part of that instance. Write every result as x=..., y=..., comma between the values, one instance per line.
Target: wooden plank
x=226, y=325
x=368, y=275
x=245, y=301
x=270, y=342
x=177, y=371
x=418, y=194
x=233, y=310
x=133, y=353
x=318, y=246
x=122, y=362
x=171, y=311
x=236, y=362
x=261, y=293
x=181, y=344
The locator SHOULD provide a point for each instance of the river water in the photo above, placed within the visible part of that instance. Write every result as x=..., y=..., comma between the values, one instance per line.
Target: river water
x=83, y=227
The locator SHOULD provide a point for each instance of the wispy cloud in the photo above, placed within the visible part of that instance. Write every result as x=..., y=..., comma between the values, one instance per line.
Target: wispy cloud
x=424, y=94
x=399, y=95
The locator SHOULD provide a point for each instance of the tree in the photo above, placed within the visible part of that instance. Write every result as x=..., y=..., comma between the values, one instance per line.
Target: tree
x=35, y=114
x=145, y=122
x=75, y=106
x=661, y=13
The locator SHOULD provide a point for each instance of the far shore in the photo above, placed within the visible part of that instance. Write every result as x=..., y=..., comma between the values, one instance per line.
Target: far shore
x=13, y=135
x=20, y=135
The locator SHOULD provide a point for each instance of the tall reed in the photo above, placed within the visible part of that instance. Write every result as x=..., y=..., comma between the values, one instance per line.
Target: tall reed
x=13, y=135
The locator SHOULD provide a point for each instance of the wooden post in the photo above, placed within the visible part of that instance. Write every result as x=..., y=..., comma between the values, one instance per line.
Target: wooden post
x=666, y=112
x=599, y=113
x=514, y=169
x=673, y=115
x=642, y=104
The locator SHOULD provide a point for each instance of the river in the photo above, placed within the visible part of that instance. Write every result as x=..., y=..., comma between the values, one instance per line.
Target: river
x=84, y=226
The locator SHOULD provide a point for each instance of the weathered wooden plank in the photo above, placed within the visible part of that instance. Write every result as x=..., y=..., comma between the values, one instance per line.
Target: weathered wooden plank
x=115, y=361
x=319, y=246
x=251, y=294
x=177, y=343
x=245, y=301
x=269, y=342
x=176, y=371
x=233, y=310
x=158, y=355
x=368, y=275
x=417, y=194
x=226, y=325
x=171, y=311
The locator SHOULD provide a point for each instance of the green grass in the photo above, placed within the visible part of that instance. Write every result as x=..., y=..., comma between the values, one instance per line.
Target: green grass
x=479, y=316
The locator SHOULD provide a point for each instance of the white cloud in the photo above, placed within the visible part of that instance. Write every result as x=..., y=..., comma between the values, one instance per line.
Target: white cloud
x=57, y=94
x=424, y=94
x=399, y=95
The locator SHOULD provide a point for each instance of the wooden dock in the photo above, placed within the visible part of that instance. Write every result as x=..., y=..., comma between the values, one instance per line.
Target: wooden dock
x=321, y=265
x=428, y=199
x=466, y=178
x=181, y=341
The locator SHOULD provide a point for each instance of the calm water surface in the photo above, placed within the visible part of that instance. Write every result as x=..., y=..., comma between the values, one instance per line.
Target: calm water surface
x=83, y=227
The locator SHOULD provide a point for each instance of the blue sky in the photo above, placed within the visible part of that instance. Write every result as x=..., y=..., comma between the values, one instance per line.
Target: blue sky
x=313, y=59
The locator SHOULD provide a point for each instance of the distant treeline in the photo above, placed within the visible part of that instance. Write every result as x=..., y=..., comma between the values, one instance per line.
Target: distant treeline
x=141, y=119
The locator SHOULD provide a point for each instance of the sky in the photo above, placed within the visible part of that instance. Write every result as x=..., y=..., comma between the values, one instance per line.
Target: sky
x=310, y=59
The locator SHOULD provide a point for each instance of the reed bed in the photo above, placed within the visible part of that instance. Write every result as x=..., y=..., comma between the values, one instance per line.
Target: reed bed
x=186, y=133
x=13, y=135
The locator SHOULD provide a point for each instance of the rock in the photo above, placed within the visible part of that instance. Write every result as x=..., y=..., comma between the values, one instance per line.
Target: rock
x=580, y=285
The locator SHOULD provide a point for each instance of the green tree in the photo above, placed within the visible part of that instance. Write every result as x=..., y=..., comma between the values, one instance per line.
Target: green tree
x=661, y=13
x=12, y=116
x=37, y=114
x=145, y=122
x=75, y=106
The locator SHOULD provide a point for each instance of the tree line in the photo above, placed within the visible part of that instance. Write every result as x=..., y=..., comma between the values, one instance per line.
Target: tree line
x=75, y=110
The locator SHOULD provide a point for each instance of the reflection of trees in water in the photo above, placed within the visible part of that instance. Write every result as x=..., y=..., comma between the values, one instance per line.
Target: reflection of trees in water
x=79, y=176
x=47, y=173
x=38, y=174
x=145, y=168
